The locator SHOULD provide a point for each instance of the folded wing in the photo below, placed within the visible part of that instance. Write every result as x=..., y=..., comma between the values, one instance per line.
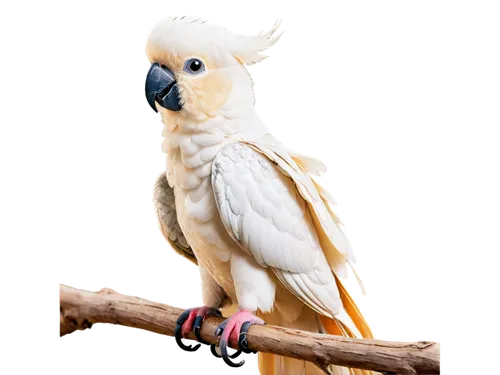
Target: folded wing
x=164, y=201
x=264, y=212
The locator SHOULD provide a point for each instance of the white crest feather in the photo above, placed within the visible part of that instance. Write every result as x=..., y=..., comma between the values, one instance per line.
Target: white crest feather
x=247, y=48
x=190, y=35
x=189, y=19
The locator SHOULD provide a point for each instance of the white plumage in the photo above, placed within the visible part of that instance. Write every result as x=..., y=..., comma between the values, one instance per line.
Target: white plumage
x=262, y=231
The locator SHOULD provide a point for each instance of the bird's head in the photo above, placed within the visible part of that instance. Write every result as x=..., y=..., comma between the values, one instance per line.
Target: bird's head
x=198, y=69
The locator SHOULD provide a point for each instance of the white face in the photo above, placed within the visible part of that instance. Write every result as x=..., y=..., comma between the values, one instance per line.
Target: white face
x=205, y=73
x=208, y=64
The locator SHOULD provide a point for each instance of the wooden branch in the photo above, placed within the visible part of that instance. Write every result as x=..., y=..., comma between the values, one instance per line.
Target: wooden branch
x=81, y=309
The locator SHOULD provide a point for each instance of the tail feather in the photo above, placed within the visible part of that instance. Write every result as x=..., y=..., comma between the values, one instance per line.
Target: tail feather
x=353, y=311
x=350, y=323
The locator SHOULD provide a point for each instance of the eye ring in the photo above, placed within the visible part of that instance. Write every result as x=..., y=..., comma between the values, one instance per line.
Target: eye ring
x=194, y=66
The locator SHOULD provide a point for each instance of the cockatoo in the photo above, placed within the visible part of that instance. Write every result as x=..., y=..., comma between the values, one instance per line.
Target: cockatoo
x=238, y=203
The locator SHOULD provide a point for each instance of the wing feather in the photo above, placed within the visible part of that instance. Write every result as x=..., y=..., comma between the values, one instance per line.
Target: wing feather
x=329, y=228
x=164, y=201
x=263, y=211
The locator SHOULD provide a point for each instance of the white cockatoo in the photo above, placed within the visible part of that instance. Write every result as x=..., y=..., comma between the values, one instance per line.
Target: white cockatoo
x=240, y=204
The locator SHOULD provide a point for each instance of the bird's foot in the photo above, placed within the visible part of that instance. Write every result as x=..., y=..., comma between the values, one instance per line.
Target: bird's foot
x=191, y=319
x=234, y=330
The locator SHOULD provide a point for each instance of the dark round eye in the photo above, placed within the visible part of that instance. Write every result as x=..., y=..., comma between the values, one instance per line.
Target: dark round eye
x=194, y=66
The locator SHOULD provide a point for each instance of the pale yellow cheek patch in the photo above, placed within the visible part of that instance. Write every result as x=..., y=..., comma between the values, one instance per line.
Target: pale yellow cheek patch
x=205, y=94
x=202, y=95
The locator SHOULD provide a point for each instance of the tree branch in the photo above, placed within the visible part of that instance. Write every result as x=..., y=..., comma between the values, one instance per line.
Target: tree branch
x=81, y=309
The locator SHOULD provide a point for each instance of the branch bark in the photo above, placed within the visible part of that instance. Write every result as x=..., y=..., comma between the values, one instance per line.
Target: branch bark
x=81, y=309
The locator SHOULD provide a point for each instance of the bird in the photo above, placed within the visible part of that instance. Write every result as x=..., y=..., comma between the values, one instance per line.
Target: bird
x=238, y=203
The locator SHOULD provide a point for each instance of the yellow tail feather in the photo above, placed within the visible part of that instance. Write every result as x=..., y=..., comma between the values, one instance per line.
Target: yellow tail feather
x=274, y=365
x=353, y=311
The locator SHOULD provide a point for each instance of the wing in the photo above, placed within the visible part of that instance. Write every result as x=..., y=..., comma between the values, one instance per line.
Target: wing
x=164, y=201
x=316, y=167
x=266, y=215
x=329, y=228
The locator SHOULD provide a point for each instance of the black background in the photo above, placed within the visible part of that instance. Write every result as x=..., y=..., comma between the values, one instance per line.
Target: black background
x=362, y=88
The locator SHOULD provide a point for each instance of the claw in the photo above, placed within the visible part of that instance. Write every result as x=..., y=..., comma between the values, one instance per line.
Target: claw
x=192, y=319
x=221, y=327
x=214, y=351
x=235, y=329
x=233, y=358
x=202, y=314
x=178, y=333
x=242, y=340
x=197, y=328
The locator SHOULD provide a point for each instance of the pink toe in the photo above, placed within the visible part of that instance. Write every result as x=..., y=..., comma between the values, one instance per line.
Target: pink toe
x=228, y=331
x=188, y=324
x=235, y=332
x=205, y=311
x=257, y=321
x=246, y=316
x=233, y=328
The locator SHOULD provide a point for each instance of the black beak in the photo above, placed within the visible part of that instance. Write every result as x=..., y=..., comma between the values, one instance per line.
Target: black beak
x=162, y=88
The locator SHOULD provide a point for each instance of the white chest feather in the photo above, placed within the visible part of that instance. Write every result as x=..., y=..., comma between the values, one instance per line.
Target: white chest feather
x=190, y=155
x=189, y=164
